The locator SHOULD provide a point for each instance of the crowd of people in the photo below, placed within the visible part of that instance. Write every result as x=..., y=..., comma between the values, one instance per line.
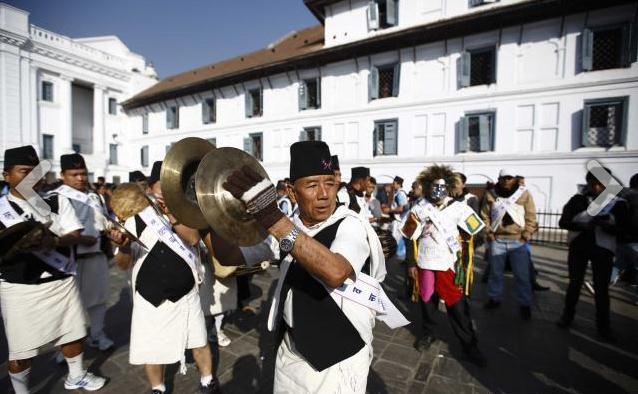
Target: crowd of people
x=330, y=241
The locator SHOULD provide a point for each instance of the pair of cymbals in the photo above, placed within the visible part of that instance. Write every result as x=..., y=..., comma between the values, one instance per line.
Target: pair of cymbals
x=192, y=176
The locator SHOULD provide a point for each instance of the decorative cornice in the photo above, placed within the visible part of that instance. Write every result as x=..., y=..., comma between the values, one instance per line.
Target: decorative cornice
x=12, y=39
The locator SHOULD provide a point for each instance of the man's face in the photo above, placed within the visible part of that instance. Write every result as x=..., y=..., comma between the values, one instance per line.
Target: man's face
x=417, y=189
x=595, y=187
x=77, y=179
x=507, y=182
x=14, y=175
x=361, y=184
x=395, y=185
x=316, y=196
x=370, y=189
x=437, y=191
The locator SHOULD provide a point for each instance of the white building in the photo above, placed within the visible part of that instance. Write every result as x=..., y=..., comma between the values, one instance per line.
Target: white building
x=62, y=95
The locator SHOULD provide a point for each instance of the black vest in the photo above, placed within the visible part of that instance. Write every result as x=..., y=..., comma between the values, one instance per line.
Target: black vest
x=322, y=334
x=164, y=275
x=26, y=268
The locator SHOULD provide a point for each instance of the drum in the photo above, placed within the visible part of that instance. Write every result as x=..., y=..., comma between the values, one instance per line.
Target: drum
x=388, y=242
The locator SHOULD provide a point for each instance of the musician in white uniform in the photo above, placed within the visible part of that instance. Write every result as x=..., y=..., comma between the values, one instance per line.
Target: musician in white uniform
x=38, y=292
x=354, y=196
x=437, y=257
x=509, y=214
x=167, y=315
x=324, y=317
x=93, y=270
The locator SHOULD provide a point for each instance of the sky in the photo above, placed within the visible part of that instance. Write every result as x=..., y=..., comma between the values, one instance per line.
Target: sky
x=175, y=35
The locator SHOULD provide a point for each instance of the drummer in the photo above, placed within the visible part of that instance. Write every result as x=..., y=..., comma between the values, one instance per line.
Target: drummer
x=327, y=340
x=38, y=291
x=167, y=316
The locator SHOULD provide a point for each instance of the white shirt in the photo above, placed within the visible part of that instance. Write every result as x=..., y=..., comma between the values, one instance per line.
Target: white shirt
x=93, y=222
x=433, y=252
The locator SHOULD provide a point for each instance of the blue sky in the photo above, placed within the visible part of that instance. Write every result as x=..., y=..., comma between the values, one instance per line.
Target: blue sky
x=176, y=35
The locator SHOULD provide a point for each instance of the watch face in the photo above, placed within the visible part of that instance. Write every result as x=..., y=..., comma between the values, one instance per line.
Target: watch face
x=286, y=244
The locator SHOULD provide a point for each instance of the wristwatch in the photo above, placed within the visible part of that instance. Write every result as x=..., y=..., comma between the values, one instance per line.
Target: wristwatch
x=288, y=242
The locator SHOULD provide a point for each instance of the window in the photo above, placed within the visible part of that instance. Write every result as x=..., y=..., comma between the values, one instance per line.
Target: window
x=382, y=14
x=310, y=134
x=253, y=145
x=606, y=48
x=47, y=146
x=172, y=117
x=209, y=111
x=47, y=91
x=309, y=93
x=112, y=153
x=604, y=122
x=476, y=3
x=254, y=98
x=385, y=138
x=144, y=156
x=383, y=81
x=145, y=124
x=213, y=141
x=477, y=67
x=476, y=132
x=116, y=179
x=112, y=106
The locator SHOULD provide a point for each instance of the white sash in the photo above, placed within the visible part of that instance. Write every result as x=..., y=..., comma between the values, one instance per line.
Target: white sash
x=368, y=292
x=79, y=196
x=53, y=258
x=448, y=236
x=168, y=237
x=500, y=207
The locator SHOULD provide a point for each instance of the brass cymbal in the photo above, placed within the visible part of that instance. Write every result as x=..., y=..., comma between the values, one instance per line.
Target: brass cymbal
x=226, y=214
x=178, y=180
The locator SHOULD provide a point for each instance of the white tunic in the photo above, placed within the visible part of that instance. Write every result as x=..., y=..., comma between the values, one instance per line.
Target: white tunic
x=160, y=335
x=433, y=252
x=37, y=314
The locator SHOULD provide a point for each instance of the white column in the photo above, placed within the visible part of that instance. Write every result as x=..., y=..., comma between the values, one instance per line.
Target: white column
x=25, y=102
x=65, y=135
x=33, y=108
x=99, y=140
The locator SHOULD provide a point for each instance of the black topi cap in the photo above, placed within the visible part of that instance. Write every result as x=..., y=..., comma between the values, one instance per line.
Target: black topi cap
x=20, y=156
x=398, y=180
x=359, y=173
x=73, y=161
x=155, y=173
x=309, y=158
x=335, y=163
x=136, y=176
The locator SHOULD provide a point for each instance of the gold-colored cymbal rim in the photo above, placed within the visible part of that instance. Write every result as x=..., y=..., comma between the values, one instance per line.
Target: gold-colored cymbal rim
x=226, y=214
x=178, y=180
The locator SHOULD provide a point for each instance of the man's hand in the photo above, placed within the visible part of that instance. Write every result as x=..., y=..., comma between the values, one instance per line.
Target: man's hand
x=490, y=237
x=87, y=240
x=118, y=238
x=257, y=193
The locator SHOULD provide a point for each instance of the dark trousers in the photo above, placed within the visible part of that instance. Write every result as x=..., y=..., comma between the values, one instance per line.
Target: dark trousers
x=458, y=316
x=601, y=263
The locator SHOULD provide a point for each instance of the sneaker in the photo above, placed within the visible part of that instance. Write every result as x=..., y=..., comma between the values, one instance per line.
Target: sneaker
x=475, y=355
x=423, y=344
x=102, y=342
x=212, y=388
x=222, y=339
x=526, y=313
x=538, y=287
x=88, y=382
x=491, y=304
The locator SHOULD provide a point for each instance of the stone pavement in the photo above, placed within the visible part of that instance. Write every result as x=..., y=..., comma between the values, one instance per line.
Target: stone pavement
x=524, y=357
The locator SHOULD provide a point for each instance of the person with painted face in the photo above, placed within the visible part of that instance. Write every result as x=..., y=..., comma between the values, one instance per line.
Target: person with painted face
x=436, y=256
x=591, y=238
x=509, y=214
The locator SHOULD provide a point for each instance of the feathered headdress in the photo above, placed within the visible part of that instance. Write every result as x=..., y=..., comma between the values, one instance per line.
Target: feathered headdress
x=436, y=171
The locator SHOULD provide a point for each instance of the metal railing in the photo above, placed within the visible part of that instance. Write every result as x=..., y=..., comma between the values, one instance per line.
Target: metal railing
x=548, y=230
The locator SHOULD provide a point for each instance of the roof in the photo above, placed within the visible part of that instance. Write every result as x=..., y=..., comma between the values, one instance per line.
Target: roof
x=305, y=49
x=290, y=46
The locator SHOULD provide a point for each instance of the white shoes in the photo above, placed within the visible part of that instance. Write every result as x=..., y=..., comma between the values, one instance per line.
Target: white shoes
x=102, y=342
x=88, y=382
x=222, y=339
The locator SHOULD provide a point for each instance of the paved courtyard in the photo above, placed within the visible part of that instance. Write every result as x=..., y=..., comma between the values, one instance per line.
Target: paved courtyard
x=524, y=357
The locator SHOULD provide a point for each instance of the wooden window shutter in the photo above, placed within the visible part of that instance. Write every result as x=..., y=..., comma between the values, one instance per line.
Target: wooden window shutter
x=391, y=12
x=485, y=132
x=373, y=83
x=303, y=95
x=465, y=64
x=396, y=79
x=464, y=134
x=373, y=16
x=587, y=50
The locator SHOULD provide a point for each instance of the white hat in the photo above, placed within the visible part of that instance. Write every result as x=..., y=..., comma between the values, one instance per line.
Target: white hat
x=506, y=172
